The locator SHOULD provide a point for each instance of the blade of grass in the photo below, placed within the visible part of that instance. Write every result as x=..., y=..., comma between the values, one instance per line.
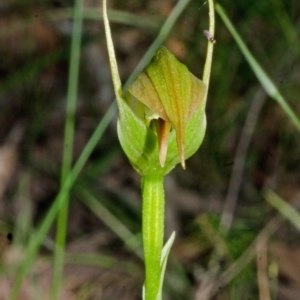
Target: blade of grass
x=37, y=239
x=114, y=15
x=68, y=150
x=23, y=220
x=288, y=28
x=270, y=88
x=102, y=261
x=288, y=211
x=112, y=222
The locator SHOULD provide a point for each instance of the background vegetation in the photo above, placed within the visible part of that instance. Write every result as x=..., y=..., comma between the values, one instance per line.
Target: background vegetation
x=231, y=243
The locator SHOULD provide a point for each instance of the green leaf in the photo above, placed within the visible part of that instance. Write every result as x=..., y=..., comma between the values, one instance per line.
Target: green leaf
x=164, y=258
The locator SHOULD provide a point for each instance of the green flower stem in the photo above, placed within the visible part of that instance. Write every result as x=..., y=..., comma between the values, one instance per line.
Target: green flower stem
x=210, y=48
x=153, y=232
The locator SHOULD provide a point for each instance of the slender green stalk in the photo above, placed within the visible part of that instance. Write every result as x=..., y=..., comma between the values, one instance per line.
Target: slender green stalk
x=153, y=232
x=266, y=82
x=68, y=149
x=210, y=47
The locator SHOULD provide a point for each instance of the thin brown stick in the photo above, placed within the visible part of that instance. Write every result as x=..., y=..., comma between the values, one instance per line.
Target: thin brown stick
x=262, y=269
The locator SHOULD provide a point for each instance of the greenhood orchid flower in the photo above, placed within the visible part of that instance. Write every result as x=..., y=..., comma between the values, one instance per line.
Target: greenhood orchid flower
x=172, y=95
x=167, y=98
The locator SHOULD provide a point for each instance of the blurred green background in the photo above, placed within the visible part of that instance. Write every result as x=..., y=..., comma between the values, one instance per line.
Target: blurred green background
x=217, y=206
